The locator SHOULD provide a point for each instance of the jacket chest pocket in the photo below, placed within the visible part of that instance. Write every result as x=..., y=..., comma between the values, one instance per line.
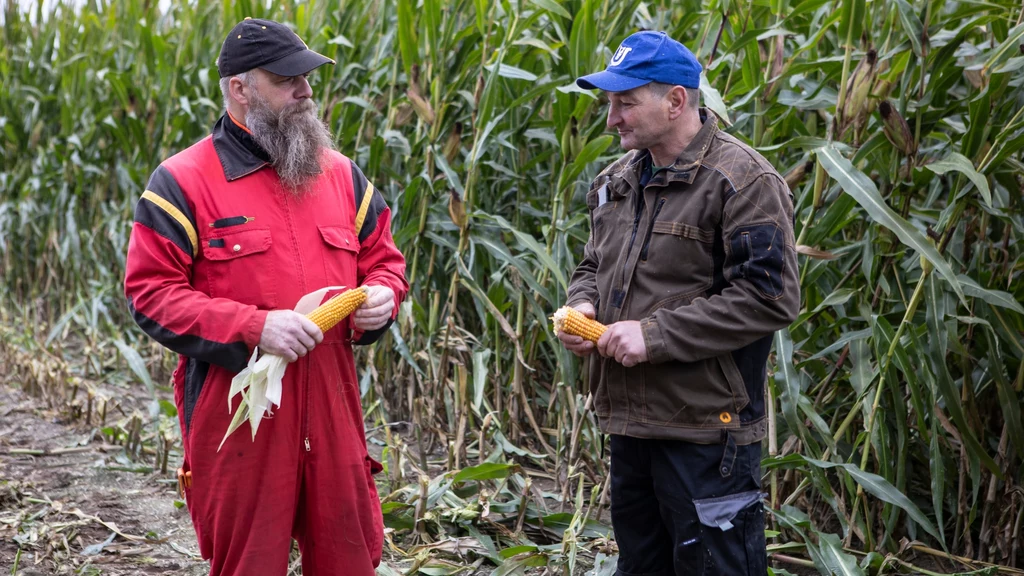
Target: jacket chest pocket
x=340, y=253
x=240, y=267
x=679, y=257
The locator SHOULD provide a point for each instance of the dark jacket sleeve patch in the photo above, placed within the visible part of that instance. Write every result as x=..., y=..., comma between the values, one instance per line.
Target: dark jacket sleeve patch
x=758, y=255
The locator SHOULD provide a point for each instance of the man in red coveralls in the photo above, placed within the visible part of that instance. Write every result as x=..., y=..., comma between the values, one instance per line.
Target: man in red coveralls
x=228, y=235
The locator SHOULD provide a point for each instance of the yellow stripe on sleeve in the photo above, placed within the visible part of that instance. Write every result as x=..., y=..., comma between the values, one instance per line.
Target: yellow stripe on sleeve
x=364, y=207
x=173, y=211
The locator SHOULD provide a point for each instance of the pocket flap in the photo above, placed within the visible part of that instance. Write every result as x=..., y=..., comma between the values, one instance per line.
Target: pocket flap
x=339, y=237
x=684, y=230
x=236, y=244
x=719, y=512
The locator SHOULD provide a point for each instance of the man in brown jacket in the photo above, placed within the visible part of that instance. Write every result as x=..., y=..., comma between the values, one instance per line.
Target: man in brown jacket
x=691, y=262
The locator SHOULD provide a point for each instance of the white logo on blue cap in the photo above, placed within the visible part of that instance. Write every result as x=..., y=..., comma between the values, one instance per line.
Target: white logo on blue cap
x=620, y=55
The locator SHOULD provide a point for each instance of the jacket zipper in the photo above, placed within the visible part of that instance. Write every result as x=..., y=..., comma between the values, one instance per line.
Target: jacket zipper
x=647, y=240
x=616, y=299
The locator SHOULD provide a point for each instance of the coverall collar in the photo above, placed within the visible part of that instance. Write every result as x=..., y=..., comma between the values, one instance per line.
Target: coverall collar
x=239, y=154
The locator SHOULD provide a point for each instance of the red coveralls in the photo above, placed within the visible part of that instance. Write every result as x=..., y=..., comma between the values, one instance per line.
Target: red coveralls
x=216, y=243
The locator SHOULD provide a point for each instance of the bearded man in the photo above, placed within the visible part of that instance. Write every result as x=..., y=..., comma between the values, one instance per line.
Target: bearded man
x=227, y=237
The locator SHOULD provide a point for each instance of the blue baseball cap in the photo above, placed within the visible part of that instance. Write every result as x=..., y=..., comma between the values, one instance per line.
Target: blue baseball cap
x=643, y=58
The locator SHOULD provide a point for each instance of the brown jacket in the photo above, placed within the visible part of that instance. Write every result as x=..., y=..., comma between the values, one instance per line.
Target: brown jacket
x=704, y=257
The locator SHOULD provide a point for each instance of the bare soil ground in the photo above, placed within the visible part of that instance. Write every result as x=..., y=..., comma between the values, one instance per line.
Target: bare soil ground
x=59, y=508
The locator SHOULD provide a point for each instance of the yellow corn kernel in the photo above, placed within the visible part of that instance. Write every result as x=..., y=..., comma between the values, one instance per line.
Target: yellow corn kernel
x=572, y=321
x=330, y=313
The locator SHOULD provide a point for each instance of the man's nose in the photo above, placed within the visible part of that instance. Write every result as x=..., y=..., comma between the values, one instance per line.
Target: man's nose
x=304, y=90
x=613, y=117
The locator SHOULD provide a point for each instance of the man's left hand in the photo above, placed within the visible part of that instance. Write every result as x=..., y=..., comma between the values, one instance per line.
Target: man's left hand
x=376, y=311
x=624, y=341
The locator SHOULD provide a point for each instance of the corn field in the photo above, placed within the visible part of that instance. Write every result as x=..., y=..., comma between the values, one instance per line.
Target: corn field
x=898, y=441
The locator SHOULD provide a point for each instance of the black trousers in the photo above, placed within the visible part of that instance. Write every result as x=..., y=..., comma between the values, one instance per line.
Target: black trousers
x=687, y=509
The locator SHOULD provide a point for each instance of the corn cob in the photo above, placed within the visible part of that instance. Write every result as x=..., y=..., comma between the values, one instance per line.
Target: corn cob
x=330, y=313
x=896, y=129
x=572, y=321
x=857, y=89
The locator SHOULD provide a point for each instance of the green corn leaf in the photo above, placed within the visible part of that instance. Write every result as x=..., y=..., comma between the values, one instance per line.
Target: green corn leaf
x=882, y=489
x=863, y=190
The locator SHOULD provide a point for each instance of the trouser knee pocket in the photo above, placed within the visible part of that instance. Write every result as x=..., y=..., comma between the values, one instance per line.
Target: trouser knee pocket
x=732, y=530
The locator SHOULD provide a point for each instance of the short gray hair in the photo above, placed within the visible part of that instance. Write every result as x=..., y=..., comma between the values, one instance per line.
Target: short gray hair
x=660, y=89
x=225, y=84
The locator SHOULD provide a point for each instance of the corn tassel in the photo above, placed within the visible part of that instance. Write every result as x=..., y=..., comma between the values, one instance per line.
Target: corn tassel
x=573, y=322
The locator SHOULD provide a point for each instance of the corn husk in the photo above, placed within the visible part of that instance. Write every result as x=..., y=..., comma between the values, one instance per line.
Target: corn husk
x=259, y=384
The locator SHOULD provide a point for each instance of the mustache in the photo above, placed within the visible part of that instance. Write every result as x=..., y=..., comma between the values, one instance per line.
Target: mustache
x=294, y=137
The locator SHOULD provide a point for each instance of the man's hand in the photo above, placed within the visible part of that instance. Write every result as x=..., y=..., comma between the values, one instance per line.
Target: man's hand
x=624, y=341
x=376, y=311
x=576, y=344
x=289, y=334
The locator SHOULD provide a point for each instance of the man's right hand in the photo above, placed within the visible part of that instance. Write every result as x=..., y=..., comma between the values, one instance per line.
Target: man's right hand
x=289, y=334
x=576, y=344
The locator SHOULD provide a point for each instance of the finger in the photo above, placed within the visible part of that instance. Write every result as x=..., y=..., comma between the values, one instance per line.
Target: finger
x=290, y=355
x=310, y=327
x=581, y=350
x=378, y=318
x=570, y=339
x=378, y=295
x=367, y=326
x=373, y=311
x=306, y=341
x=610, y=346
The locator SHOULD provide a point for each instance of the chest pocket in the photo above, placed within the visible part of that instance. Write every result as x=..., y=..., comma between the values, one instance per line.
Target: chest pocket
x=610, y=209
x=240, y=266
x=680, y=256
x=341, y=249
x=339, y=255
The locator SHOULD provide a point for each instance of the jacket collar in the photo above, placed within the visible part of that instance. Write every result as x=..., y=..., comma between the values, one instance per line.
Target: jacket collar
x=239, y=154
x=684, y=169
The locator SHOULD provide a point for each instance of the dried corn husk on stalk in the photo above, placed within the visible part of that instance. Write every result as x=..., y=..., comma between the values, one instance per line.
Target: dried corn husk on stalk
x=896, y=129
x=794, y=176
x=572, y=321
x=259, y=383
x=857, y=90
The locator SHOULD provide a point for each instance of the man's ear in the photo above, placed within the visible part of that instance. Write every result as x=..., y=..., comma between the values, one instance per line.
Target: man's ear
x=239, y=91
x=677, y=102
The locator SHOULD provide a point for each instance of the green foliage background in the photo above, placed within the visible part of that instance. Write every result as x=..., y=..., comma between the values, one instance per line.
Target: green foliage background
x=898, y=390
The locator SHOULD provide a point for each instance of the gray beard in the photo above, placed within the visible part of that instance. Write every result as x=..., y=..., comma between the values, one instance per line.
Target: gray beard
x=294, y=138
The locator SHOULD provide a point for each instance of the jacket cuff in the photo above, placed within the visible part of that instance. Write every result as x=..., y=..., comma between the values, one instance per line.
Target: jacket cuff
x=254, y=330
x=657, y=351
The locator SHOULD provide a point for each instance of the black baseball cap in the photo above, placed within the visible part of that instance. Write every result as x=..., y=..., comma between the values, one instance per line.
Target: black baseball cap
x=257, y=43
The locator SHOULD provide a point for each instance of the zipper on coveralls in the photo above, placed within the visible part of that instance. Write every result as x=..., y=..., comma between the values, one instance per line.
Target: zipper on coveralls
x=305, y=407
